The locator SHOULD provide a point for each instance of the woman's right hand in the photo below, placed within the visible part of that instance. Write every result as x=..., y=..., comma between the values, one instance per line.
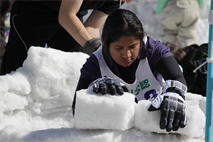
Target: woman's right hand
x=92, y=45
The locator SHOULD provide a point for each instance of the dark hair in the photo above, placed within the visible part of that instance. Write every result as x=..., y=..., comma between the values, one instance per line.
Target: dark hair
x=121, y=22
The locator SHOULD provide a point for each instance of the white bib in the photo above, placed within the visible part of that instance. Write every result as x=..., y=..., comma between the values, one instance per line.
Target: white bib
x=145, y=87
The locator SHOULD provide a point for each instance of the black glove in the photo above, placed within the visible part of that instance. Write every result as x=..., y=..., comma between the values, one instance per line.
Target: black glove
x=172, y=106
x=92, y=45
x=108, y=85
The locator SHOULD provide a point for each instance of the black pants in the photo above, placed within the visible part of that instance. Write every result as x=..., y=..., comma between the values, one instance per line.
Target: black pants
x=33, y=24
x=5, y=6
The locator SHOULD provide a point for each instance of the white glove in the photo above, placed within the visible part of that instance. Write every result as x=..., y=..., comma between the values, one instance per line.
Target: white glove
x=172, y=105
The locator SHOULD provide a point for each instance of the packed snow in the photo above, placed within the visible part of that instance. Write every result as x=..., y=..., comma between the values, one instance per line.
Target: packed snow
x=36, y=99
x=36, y=106
x=94, y=111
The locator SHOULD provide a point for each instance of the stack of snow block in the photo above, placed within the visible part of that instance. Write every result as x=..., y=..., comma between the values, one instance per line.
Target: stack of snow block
x=149, y=121
x=96, y=111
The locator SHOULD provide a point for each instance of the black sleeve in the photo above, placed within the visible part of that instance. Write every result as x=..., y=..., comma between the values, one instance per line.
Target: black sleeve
x=169, y=69
x=82, y=84
x=109, y=6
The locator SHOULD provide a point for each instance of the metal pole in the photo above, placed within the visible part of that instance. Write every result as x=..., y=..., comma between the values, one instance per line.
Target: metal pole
x=209, y=78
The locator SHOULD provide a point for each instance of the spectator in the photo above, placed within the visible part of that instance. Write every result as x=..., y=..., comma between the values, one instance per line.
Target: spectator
x=179, y=20
x=59, y=24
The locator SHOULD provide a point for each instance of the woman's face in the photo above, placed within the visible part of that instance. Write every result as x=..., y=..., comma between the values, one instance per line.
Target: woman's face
x=125, y=50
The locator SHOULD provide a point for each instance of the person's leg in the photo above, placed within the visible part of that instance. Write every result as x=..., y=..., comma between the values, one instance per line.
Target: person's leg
x=31, y=25
x=173, y=15
x=187, y=29
x=168, y=24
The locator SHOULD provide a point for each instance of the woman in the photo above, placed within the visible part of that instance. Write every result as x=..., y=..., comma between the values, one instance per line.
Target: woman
x=125, y=60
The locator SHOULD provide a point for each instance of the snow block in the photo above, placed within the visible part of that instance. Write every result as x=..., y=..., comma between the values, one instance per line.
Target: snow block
x=96, y=111
x=150, y=123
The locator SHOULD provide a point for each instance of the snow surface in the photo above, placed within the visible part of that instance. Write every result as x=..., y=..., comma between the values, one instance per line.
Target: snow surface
x=104, y=112
x=95, y=111
x=36, y=107
x=35, y=100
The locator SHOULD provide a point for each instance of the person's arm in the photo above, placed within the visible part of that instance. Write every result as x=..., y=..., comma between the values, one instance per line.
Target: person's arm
x=169, y=69
x=94, y=22
x=72, y=24
x=172, y=99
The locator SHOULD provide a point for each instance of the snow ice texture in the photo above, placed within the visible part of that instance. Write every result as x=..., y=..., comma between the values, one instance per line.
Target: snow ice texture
x=36, y=104
x=36, y=99
x=122, y=113
x=104, y=112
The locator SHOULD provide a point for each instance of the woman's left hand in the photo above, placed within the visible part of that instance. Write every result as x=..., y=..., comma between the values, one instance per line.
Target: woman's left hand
x=172, y=106
x=173, y=111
